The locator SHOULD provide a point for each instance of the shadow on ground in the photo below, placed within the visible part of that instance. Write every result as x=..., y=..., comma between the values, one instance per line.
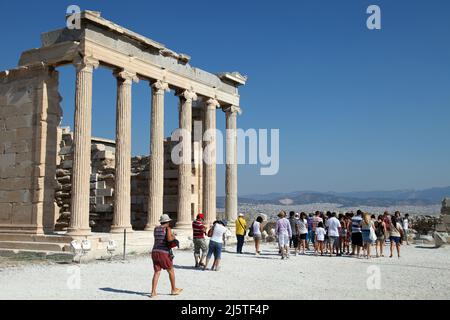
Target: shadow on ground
x=125, y=291
x=427, y=247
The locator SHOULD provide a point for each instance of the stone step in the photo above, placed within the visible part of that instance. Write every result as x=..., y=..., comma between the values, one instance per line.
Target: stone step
x=37, y=254
x=34, y=238
x=26, y=245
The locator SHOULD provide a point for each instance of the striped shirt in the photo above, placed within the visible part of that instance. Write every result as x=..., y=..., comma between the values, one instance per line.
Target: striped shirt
x=198, y=229
x=356, y=224
x=160, y=243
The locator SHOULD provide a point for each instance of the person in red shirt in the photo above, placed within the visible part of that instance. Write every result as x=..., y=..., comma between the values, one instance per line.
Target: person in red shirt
x=199, y=231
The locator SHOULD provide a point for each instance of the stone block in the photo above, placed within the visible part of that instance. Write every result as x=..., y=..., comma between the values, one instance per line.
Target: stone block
x=440, y=239
x=103, y=155
x=16, y=122
x=104, y=208
x=26, y=133
x=15, y=196
x=23, y=157
x=16, y=183
x=16, y=147
x=108, y=192
x=65, y=150
x=67, y=164
x=100, y=185
x=22, y=214
x=62, y=172
x=7, y=160
x=5, y=213
x=98, y=147
x=8, y=136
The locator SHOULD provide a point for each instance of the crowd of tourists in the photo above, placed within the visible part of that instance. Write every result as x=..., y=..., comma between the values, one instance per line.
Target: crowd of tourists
x=339, y=234
x=330, y=233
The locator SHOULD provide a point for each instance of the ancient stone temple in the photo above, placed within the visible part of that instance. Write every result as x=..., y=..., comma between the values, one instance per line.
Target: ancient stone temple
x=35, y=170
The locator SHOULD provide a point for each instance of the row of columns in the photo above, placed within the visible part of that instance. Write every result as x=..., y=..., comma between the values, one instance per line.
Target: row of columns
x=79, y=222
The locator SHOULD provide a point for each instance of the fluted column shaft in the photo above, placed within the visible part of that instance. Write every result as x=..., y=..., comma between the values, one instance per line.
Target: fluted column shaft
x=156, y=183
x=185, y=168
x=81, y=171
x=122, y=188
x=209, y=173
x=231, y=197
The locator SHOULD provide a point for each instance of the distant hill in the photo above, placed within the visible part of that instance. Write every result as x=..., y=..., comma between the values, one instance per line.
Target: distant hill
x=364, y=198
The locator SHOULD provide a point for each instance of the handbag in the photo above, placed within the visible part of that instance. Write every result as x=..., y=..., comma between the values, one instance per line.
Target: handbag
x=210, y=232
x=172, y=244
x=250, y=232
x=372, y=235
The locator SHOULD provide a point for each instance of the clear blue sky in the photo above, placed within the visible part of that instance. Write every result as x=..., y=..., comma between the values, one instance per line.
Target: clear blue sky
x=356, y=109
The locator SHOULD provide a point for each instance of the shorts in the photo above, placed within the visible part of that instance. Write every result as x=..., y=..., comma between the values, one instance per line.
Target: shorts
x=216, y=249
x=397, y=240
x=357, y=239
x=334, y=241
x=283, y=239
x=312, y=236
x=295, y=241
x=257, y=236
x=381, y=238
x=161, y=260
x=366, y=237
x=303, y=236
x=405, y=234
x=200, y=244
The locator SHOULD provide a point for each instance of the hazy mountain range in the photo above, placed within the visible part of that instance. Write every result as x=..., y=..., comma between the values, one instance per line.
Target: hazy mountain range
x=364, y=198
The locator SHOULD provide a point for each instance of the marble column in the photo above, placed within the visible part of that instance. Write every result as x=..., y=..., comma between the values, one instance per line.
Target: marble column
x=209, y=163
x=231, y=197
x=122, y=188
x=81, y=171
x=184, y=219
x=156, y=181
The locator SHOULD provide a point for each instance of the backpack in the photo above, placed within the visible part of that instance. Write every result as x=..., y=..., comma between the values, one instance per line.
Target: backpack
x=379, y=230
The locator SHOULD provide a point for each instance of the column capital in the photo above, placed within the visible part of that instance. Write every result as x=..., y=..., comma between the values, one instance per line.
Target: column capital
x=232, y=110
x=160, y=87
x=212, y=103
x=126, y=76
x=188, y=95
x=85, y=63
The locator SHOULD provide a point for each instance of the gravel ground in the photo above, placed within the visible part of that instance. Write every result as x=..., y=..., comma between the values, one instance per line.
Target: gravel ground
x=421, y=273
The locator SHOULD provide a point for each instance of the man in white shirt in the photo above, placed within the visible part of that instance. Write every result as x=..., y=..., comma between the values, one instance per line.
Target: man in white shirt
x=406, y=228
x=334, y=227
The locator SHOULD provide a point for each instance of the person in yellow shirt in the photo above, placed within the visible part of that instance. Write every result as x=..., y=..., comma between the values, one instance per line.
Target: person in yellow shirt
x=241, y=227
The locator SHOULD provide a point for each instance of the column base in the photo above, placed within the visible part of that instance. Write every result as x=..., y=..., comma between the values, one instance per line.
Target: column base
x=150, y=227
x=120, y=229
x=183, y=225
x=78, y=232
